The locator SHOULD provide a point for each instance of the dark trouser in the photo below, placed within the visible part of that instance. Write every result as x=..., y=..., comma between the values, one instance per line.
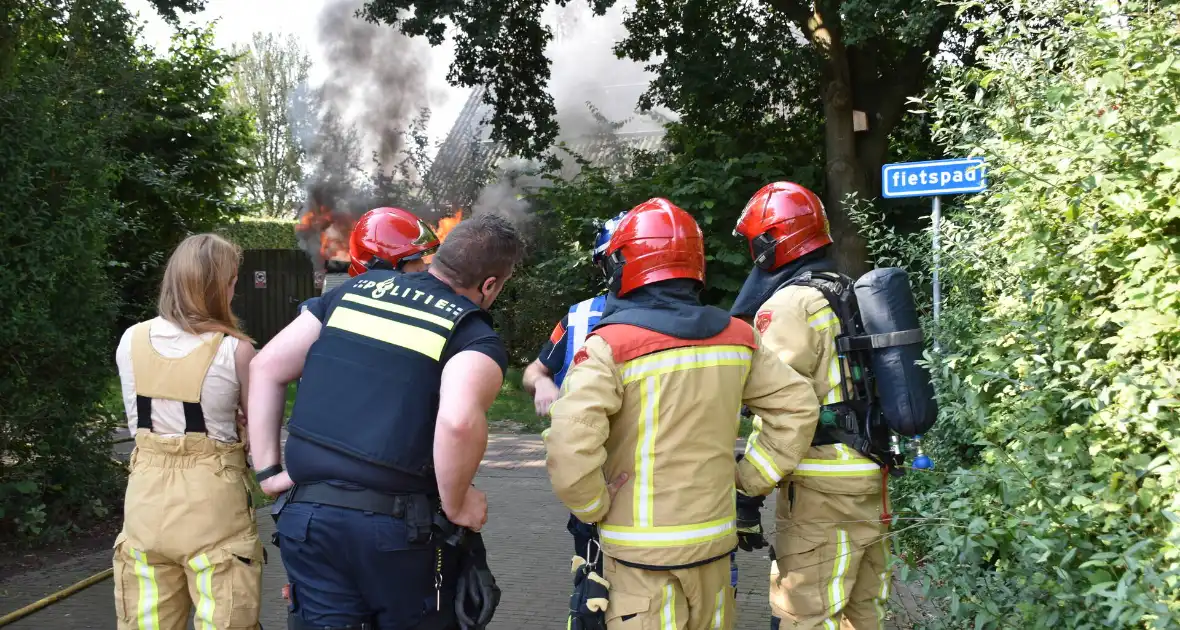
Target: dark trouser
x=347, y=568
x=583, y=534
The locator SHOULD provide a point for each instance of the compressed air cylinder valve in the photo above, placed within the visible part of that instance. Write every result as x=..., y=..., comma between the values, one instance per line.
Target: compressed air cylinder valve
x=921, y=460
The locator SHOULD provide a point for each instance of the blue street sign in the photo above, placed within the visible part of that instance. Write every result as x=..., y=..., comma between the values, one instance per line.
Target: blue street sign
x=932, y=178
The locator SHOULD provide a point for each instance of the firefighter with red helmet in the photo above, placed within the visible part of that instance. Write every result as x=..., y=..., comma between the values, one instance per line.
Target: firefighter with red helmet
x=829, y=555
x=650, y=405
x=387, y=238
x=390, y=238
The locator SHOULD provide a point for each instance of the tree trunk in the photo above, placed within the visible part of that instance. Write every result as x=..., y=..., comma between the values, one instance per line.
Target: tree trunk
x=865, y=78
x=844, y=177
x=842, y=168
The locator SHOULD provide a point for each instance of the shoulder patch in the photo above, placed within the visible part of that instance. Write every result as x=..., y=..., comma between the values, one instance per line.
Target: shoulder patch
x=579, y=356
x=556, y=335
x=762, y=321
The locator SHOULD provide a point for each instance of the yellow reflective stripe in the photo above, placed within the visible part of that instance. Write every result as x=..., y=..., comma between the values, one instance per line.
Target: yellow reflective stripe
x=668, y=535
x=844, y=452
x=406, y=336
x=147, y=608
x=590, y=507
x=719, y=611
x=883, y=596
x=400, y=310
x=839, y=569
x=645, y=452
x=686, y=359
x=668, y=609
x=206, y=603
x=823, y=319
x=754, y=433
x=763, y=463
x=835, y=394
x=858, y=467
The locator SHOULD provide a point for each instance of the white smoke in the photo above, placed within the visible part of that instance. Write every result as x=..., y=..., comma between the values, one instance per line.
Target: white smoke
x=585, y=72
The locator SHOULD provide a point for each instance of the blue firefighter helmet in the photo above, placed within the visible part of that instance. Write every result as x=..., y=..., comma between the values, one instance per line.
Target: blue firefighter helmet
x=604, y=234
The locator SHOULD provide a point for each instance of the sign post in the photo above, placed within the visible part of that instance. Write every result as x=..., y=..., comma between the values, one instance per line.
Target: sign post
x=934, y=178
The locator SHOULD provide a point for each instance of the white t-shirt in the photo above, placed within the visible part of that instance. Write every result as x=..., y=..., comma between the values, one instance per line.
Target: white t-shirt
x=219, y=392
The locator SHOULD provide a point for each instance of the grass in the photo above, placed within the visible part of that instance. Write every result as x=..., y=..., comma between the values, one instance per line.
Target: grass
x=746, y=426
x=516, y=405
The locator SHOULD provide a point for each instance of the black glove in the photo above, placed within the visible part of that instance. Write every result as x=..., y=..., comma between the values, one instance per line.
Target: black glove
x=476, y=594
x=749, y=522
x=590, y=599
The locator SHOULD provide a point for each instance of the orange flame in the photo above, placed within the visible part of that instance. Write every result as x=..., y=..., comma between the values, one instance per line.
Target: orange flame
x=444, y=227
x=334, y=230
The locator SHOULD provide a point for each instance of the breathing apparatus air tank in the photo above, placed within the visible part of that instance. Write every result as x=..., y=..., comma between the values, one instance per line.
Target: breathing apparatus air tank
x=904, y=391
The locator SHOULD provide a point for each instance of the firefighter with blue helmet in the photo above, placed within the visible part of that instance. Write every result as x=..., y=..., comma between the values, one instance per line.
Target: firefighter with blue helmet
x=379, y=519
x=543, y=377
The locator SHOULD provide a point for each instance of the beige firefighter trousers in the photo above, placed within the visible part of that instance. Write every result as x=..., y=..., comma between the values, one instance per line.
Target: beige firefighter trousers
x=832, y=567
x=189, y=538
x=699, y=598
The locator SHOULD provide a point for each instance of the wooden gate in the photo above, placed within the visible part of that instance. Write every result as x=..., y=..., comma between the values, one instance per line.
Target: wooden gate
x=272, y=283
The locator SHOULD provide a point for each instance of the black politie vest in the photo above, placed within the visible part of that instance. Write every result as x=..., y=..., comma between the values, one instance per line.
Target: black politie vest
x=370, y=385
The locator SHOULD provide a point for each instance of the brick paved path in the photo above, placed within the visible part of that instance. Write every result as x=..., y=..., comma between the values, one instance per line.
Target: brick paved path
x=528, y=548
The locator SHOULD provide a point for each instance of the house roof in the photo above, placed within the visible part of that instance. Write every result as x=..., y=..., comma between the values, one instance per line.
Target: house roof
x=469, y=152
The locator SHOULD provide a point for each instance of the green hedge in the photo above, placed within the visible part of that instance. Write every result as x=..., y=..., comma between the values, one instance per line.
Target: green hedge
x=1056, y=503
x=253, y=233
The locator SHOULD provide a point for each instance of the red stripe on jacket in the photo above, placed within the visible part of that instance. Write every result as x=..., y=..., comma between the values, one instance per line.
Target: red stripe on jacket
x=629, y=342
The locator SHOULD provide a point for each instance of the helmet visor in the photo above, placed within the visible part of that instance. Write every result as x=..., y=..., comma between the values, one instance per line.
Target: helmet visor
x=426, y=235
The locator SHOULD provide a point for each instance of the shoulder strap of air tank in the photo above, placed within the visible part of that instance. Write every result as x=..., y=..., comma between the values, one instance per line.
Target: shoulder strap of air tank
x=837, y=290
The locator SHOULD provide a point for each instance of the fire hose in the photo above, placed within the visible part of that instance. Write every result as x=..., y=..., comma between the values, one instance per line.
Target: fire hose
x=21, y=613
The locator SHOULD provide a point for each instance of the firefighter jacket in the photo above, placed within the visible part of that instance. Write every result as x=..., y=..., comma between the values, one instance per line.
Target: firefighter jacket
x=800, y=327
x=370, y=385
x=664, y=410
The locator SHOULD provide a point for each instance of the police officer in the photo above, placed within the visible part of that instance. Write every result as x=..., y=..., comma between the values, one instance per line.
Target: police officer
x=652, y=398
x=387, y=238
x=387, y=432
x=829, y=508
x=543, y=377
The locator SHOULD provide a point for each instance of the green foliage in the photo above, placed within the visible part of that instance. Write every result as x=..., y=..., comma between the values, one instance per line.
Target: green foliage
x=110, y=156
x=183, y=155
x=57, y=168
x=254, y=233
x=269, y=79
x=1060, y=385
x=731, y=65
x=515, y=405
x=499, y=43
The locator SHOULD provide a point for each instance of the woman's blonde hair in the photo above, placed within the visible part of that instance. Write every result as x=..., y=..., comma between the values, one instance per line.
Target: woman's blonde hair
x=195, y=293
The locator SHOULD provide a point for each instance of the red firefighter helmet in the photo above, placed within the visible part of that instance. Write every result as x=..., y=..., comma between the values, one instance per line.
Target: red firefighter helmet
x=389, y=236
x=655, y=241
x=782, y=222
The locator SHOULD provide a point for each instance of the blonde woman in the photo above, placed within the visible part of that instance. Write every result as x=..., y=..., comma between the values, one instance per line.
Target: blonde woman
x=189, y=538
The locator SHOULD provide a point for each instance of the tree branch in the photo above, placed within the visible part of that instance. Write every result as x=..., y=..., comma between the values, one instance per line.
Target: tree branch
x=909, y=76
x=798, y=11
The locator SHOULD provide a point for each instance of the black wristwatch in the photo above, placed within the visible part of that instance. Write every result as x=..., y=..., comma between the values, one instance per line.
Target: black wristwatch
x=268, y=472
